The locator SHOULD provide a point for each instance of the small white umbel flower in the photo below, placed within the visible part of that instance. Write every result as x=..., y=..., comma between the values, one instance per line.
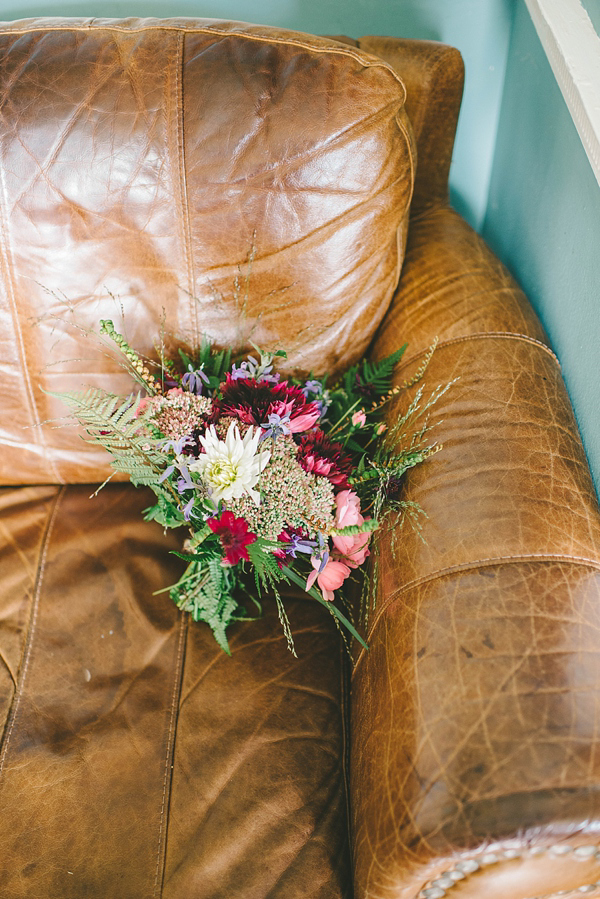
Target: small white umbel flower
x=231, y=467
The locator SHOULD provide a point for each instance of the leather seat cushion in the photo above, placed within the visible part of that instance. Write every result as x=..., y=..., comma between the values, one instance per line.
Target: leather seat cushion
x=137, y=757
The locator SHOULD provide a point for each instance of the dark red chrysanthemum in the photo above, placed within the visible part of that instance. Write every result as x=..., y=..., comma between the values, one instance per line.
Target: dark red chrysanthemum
x=253, y=401
x=320, y=455
x=234, y=535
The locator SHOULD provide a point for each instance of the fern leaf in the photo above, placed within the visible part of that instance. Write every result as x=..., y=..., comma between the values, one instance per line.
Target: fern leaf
x=205, y=591
x=379, y=374
x=114, y=424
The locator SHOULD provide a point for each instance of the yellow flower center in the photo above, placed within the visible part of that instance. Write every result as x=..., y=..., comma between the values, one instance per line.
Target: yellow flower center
x=221, y=473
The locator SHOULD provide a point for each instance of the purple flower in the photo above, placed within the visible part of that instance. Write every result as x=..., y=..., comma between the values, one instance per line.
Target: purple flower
x=250, y=368
x=312, y=387
x=177, y=445
x=321, y=397
x=166, y=473
x=299, y=545
x=193, y=379
x=240, y=371
x=185, y=482
x=320, y=558
x=276, y=426
x=187, y=509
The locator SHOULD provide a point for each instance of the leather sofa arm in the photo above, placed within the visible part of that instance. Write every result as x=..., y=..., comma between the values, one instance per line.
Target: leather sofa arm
x=474, y=714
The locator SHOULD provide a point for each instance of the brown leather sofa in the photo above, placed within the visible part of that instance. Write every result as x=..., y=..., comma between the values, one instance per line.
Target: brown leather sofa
x=459, y=757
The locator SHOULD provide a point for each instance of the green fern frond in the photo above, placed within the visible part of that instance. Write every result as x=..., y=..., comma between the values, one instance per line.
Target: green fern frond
x=205, y=591
x=266, y=570
x=113, y=423
x=379, y=374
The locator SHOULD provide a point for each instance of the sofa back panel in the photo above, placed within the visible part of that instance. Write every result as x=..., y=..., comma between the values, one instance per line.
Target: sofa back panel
x=433, y=74
x=247, y=183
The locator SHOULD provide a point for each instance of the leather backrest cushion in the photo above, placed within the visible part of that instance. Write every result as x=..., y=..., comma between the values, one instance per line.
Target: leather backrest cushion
x=142, y=162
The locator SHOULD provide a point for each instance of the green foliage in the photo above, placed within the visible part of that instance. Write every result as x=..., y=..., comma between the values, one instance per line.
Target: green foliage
x=113, y=423
x=364, y=387
x=266, y=570
x=379, y=374
x=371, y=524
x=333, y=610
x=165, y=512
x=206, y=592
x=375, y=375
x=267, y=574
x=214, y=363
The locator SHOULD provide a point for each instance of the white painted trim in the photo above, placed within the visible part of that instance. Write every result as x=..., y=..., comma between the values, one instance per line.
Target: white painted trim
x=573, y=50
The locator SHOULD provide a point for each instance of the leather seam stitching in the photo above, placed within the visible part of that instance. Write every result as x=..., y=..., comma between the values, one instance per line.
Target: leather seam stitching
x=345, y=707
x=581, y=561
x=182, y=178
x=410, y=152
x=169, y=755
x=485, y=335
x=32, y=625
x=338, y=51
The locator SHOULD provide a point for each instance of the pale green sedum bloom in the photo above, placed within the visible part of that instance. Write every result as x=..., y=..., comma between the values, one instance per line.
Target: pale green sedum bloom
x=231, y=467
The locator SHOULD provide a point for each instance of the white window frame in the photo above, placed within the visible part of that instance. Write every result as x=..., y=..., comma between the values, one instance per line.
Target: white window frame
x=573, y=50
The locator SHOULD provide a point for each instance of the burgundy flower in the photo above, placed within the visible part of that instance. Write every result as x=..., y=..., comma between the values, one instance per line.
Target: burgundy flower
x=253, y=401
x=234, y=535
x=320, y=455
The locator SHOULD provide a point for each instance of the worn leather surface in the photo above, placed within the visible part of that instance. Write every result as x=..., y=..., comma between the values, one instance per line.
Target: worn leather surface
x=143, y=762
x=138, y=759
x=474, y=715
x=143, y=162
x=433, y=74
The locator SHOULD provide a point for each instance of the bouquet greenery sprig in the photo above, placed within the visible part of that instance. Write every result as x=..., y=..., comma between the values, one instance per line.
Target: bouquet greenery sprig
x=283, y=480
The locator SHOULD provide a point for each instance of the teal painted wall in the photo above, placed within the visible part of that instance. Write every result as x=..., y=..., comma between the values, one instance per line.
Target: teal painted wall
x=479, y=28
x=543, y=220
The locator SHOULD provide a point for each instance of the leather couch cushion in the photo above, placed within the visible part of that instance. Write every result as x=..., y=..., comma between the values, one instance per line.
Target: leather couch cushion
x=137, y=759
x=143, y=162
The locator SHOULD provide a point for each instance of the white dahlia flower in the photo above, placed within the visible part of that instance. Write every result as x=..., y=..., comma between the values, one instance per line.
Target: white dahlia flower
x=231, y=467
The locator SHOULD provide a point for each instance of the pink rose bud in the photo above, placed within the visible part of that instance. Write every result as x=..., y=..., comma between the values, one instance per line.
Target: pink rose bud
x=347, y=513
x=380, y=429
x=333, y=576
x=358, y=551
x=359, y=418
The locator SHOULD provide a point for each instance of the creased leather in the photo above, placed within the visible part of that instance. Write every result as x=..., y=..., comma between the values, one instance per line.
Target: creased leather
x=257, y=802
x=434, y=75
x=166, y=154
x=258, y=798
x=474, y=712
x=24, y=517
x=143, y=762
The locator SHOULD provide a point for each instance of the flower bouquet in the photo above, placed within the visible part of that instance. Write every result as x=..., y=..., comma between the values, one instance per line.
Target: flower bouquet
x=282, y=480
